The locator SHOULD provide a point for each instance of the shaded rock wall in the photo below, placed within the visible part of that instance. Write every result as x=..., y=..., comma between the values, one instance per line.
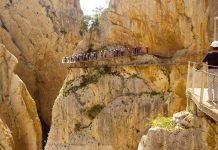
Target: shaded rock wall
x=39, y=33
x=6, y=142
x=17, y=108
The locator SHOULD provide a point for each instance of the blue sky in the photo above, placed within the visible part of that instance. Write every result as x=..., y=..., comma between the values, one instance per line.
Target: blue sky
x=88, y=5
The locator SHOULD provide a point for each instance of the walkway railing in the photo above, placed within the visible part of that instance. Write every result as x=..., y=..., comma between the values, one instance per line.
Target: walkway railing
x=105, y=54
x=202, y=81
x=202, y=87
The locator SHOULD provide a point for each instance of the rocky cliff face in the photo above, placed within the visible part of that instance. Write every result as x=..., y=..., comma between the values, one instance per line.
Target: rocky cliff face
x=6, y=142
x=20, y=124
x=192, y=131
x=39, y=33
x=110, y=108
x=163, y=26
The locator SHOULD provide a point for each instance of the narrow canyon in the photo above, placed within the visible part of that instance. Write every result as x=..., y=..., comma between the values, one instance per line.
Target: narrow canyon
x=45, y=104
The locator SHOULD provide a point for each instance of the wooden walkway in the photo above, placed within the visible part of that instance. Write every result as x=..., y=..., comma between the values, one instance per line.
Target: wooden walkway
x=197, y=89
x=135, y=60
x=206, y=106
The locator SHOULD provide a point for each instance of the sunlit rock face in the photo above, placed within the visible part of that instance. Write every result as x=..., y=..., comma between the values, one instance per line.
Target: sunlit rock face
x=163, y=26
x=191, y=132
x=39, y=33
x=111, y=108
x=63, y=14
x=19, y=122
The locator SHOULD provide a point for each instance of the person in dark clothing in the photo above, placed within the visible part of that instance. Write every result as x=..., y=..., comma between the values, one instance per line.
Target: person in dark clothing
x=212, y=60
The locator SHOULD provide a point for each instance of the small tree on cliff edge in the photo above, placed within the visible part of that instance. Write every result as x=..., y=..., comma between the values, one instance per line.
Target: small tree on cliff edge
x=91, y=23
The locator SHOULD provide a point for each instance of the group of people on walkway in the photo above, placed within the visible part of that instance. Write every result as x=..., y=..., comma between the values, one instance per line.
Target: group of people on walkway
x=118, y=52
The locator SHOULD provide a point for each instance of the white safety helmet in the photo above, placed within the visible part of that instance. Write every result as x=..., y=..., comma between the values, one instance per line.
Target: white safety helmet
x=214, y=44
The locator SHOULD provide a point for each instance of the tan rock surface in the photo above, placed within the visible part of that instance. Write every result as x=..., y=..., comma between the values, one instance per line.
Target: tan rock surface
x=39, y=33
x=192, y=132
x=163, y=26
x=110, y=108
x=113, y=110
x=17, y=108
x=6, y=142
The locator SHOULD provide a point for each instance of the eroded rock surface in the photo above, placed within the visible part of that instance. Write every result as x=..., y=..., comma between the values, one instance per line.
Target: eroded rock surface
x=163, y=26
x=6, y=142
x=111, y=108
x=18, y=112
x=192, y=132
x=39, y=33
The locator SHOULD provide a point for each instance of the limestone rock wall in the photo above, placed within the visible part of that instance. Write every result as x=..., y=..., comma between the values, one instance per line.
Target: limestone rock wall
x=193, y=131
x=20, y=122
x=6, y=142
x=39, y=33
x=163, y=26
x=111, y=108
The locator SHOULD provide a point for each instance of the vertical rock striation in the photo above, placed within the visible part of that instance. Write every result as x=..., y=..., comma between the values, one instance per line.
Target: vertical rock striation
x=111, y=108
x=164, y=26
x=39, y=33
x=17, y=108
x=6, y=142
x=193, y=131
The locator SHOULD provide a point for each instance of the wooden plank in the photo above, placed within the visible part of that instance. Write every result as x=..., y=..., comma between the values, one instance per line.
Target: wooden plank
x=209, y=109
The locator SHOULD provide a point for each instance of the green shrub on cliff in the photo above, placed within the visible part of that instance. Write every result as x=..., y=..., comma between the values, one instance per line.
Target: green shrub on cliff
x=92, y=77
x=77, y=127
x=89, y=23
x=94, y=111
x=164, y=122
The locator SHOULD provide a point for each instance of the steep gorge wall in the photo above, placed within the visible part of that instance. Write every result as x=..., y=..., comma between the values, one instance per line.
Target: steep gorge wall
x=111, y=108
x=164, y=26
x=192, y=130
x=6, y=142
x=39, y=33
x=19, y=122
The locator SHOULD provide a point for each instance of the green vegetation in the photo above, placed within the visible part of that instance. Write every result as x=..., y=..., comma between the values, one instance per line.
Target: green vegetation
x=154, y=93
x=134, y=76
x=84, y=23
x=89, y=23
x=164, y=122
x=90, y=48
x=92, y=77
x=94, y=111
x=77, y=127
x=63, y=30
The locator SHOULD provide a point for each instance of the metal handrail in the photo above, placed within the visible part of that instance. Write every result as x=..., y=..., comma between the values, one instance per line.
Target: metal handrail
x=202, y=63
x=198, y=78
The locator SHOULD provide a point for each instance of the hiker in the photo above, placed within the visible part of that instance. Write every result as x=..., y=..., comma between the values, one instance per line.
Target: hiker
x=96, y=55
x=129, y=51
x=212, y=60
x=102, y=54
x=137, y=50
x=64, y=60
x=76, y=57
x=71, y=59
x=146, y=48
x=122, y=51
